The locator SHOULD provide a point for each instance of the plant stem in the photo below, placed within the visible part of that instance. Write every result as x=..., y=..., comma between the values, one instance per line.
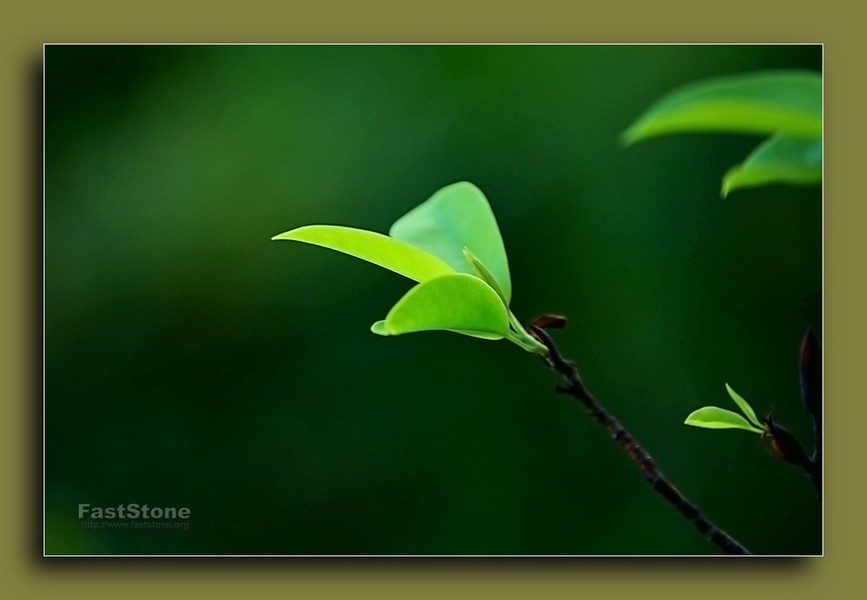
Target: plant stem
x=524, y=340
x=654, y=477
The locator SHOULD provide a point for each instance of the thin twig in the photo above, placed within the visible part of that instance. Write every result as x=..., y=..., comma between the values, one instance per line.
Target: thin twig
x=573, y=386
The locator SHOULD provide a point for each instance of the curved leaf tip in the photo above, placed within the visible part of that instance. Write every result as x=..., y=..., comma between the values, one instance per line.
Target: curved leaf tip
x=379, y=328
x=779, y=159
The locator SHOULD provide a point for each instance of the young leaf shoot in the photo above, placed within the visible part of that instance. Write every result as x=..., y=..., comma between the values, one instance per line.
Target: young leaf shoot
x=714, y=417
x=451, y=245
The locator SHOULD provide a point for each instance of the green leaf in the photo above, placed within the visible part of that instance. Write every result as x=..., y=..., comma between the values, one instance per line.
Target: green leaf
x=376, y=248
x=459, y=302
x=713, y=417
x=780, y=159
x=768, y=102
x=456, y=217
x=379, y=329
x=744, y=406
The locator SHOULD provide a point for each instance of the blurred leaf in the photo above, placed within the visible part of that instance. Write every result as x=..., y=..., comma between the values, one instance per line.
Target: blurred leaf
x=459, y=302
x=713, y=417
x=780, y=159
x=744, y=406
x=767, y=102
x=456, y=217
x=376, y=248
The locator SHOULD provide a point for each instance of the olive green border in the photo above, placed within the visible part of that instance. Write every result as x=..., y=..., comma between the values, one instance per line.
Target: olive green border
x=28, y=575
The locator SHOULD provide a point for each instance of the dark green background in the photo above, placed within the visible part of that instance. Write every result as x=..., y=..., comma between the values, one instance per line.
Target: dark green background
x=192, y=362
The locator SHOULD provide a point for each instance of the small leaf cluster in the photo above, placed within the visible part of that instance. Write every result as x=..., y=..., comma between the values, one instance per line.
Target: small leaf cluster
x=714, y=417
x=452, y=247
x=783, y=443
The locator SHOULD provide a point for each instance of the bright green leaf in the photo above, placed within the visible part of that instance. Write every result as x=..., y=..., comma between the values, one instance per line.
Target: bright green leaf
x=458, y=302
x=456, y=217
x=713, y=417
x=767, y=102
x=744, y=406
x=398, y=256
x=780, y=159
x=379, y=329
x=482, y=335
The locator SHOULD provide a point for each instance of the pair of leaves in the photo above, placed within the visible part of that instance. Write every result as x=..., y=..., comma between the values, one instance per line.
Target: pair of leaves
x=714, y=417
x=785, y=104
x=451, y=245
